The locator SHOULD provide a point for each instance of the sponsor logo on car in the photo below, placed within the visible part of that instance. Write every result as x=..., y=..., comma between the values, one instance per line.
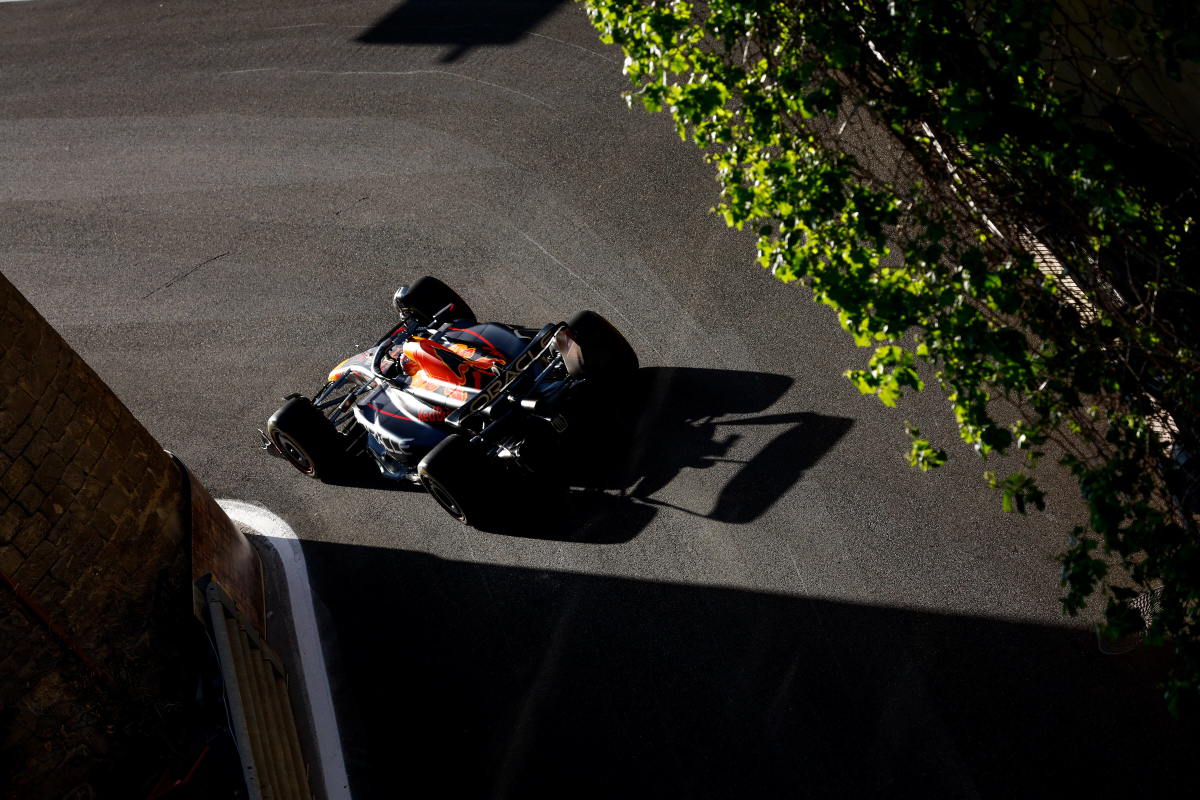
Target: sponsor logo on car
x=495, y=387
x=436, y=415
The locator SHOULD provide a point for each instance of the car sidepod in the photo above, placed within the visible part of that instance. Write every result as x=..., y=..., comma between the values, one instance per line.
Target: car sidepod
x=399, y=425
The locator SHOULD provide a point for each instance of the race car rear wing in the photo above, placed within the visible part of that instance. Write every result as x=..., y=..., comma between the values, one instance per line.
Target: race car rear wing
x=499, y=386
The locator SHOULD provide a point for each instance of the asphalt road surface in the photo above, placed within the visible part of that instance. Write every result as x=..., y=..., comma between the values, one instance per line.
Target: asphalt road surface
x=214, y=202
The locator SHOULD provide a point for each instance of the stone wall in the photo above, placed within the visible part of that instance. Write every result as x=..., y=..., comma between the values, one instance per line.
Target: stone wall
x=91, y=530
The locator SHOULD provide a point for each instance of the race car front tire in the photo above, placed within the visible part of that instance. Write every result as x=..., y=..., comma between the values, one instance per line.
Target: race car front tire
x=307, y=439
x=461, y=478
x=427, y=296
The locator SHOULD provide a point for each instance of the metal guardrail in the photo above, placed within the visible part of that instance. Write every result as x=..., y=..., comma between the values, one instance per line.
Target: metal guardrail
x=257, y=693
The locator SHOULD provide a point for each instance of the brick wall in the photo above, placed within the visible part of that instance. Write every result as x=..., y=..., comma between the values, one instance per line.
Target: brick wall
x=91, y=530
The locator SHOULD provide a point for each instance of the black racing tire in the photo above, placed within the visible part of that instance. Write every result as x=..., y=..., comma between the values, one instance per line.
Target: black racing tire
x=463, y=481
x=606, y=353
x=307, y=439
x=427, y=296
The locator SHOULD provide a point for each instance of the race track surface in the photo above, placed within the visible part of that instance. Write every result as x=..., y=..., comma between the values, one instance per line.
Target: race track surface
x=214, y=202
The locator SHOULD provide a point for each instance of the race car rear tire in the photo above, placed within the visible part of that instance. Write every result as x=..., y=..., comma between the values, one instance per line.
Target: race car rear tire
x=427, y=296
x=307, y=439
x=606, y=353
x=461, y=478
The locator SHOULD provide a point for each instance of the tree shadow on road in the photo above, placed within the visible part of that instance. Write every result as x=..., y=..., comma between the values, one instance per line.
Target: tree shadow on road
x=461, y=23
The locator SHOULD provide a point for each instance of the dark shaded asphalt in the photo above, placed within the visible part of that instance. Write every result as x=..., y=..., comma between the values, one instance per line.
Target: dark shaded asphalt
x=214, y=203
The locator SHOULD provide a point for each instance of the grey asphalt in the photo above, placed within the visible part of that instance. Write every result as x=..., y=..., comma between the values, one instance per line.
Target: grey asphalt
x=214, y=203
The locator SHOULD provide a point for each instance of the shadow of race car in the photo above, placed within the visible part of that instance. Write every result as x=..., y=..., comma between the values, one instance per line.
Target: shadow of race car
x=459, y=406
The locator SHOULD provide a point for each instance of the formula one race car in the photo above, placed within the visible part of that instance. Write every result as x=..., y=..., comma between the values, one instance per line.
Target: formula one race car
x=459, y=406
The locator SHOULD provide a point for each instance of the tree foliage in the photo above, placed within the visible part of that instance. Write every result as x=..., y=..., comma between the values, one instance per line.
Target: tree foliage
x=966, y=185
